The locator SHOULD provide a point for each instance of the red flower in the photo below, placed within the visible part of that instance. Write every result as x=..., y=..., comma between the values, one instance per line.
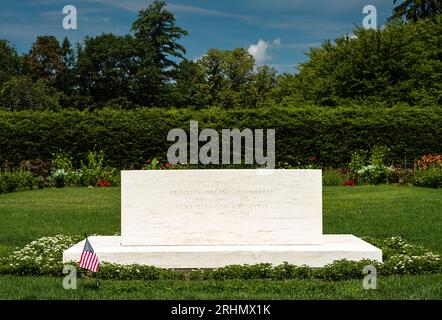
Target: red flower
x=349, y=183
x=313, y=158
x=103, y=183
x=147, y=161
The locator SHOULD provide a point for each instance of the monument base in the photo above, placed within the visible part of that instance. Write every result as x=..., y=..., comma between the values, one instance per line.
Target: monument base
x=334, y=247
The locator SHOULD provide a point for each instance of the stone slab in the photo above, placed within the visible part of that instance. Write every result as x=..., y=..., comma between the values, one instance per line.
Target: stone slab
x=334, y=247
x=221, y=207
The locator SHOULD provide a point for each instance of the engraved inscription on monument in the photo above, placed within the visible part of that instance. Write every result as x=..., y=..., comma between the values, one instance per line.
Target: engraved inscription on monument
x=221, y=207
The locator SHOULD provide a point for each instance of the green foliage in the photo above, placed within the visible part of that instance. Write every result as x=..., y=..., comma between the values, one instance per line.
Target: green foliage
x=229, y=77
x=128, y=138
x=95, y=170
x=45, y=59
x=402, y=258
x=62, y=161
x=432, y=178
x=356, y=164
x=17, y=180
x=22, y=93
x=413, y=10
x=396, y=64
x=190, y=88
x=375, y=171
x=331, y=177
x=156, y=37
x=9, y=62
x=105, y=68
x=44, y=257
x=89, y=173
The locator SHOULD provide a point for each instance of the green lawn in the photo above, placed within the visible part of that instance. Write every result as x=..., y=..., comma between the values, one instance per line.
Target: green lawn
x=381, y=211
x=406, y=287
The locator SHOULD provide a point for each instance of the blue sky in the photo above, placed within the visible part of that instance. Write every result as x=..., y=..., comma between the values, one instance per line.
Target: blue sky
x=278, y=32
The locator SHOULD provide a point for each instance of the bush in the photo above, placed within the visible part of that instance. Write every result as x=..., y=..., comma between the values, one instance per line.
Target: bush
x=429, y=161
x=332, y=177
x=374, y=171
x=128, y=138
x=17, y=180
x=431, y=178
x=91, y=173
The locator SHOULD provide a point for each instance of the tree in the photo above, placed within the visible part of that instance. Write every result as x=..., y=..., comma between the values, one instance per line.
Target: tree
x=106, y=67
x=264, y=81
x=189, y=87
x=156, y=38
x=45, y=59
x=9, y=61
x=66, y=79
x=413, y=10
x=397, y=64
x=229, y=75
x=23, y=93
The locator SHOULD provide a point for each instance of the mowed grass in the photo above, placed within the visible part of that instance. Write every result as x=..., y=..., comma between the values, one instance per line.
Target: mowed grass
x=27, y=215
x=406, y=287
x=379, y=211
x=385, y=211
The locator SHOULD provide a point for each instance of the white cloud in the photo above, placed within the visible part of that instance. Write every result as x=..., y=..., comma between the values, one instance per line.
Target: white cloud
x=277, y=42
x=259, y=51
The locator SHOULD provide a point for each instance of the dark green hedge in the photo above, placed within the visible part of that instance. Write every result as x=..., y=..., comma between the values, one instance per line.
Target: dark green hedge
x=128, y=138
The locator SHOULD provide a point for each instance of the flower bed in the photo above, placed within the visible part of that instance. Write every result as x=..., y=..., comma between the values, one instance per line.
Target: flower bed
x=44, y=257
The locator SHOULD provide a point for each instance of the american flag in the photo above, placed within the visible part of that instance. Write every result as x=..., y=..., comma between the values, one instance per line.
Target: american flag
x=89, y=259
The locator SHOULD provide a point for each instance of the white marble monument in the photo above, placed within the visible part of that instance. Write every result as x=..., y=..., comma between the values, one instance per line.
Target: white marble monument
x=214, y=218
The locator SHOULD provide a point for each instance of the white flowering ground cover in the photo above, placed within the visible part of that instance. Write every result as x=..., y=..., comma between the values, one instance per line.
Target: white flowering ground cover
x=44, y=257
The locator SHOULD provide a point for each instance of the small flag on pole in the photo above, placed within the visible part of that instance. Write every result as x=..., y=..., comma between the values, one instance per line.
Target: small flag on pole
x=89, y=259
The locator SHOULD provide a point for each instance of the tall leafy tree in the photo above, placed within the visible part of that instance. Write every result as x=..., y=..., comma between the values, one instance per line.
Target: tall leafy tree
x=9, y=61
x=400, y=63
x=24, y=93
x=189, y=86
x=66, y=80
x=264, y=81
x=229, y=74
x=106, y=67
x=156, y=36
x=45, y=59
x=413, y=10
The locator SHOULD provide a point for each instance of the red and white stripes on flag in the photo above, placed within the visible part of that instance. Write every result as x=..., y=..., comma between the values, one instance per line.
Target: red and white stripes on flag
x=89, y=259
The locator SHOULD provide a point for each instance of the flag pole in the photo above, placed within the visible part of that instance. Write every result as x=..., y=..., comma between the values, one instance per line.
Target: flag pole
x=85, y=239
x=90, y=271
x=98, y=283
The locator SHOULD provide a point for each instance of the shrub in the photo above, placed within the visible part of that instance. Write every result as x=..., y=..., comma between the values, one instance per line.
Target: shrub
x=94, y=170
x=375, y=171
x=17, y=180
x=332, y=177
x=91, y=173
x=431, y=178
x=128, y=138
x=429, y=161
